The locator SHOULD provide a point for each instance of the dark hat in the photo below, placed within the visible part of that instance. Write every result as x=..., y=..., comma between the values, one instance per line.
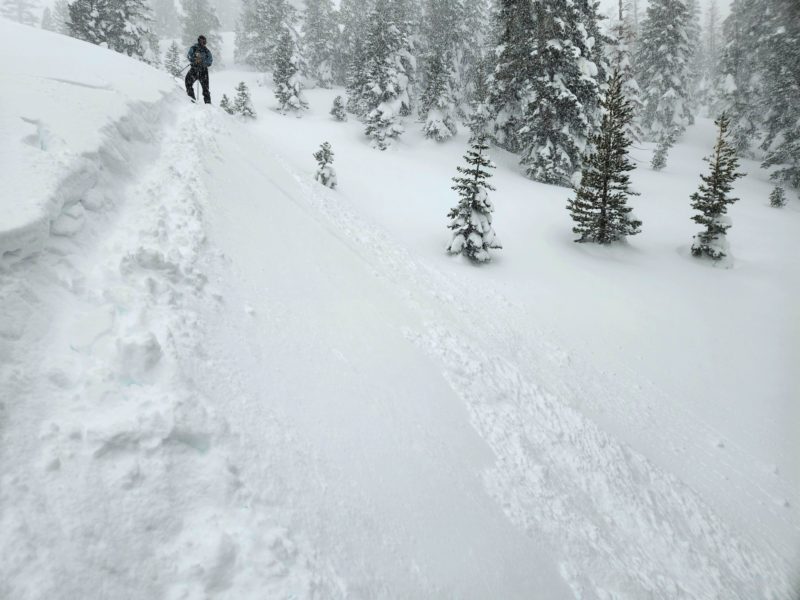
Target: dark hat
x=202, y=38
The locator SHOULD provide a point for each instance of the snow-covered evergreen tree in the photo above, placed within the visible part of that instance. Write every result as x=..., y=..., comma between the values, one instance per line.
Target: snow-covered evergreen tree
x=325, y=174
x=600, y=208
x=225, y=104
x=407, y=17
x=48, y=24
x=356, y=79
x=741, y=73
x=200, y=18
x=561, y=109
x=707, y=93
x=21, y=11
x=386, y=93
x=90, y=20
x=437, y=108
x=695, y=58
x=632, y=8
x=473, y=44
x=471, y=219
x=338, y=111
x=777, y=198
x=664, y=145
x=351, y=58
x=781, y=92
x=61, y=17
x=129, y=32
x=319, y=38
x=288, y=87
x=760, y=83
x=511, y=75
x=165, y=15
x=258, y=31
x=437, y=105
x=619, y=48
x=663, y=62
x=242, y=104
x=174, y=59
x=479, y=117
x=713, y=197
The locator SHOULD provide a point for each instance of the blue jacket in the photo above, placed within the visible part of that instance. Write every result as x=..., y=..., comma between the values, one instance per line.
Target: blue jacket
x=205, y=57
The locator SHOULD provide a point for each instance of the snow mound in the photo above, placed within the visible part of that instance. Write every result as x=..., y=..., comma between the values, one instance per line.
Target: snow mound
x=72, y=112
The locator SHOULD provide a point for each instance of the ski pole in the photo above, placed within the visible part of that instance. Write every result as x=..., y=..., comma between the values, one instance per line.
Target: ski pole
x=184, y=68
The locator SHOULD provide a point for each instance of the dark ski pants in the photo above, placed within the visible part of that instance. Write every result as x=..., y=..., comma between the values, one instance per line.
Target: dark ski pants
x=193, y=75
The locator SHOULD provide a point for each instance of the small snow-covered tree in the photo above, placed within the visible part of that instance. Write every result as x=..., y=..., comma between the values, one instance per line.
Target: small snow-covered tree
x=173, y=60
x=325, y=174
x=225, y=104
x=663, y=61
x=471, y=219
x=338, y=111
x=242, y=104
x=319, y=38
x=665, y=143
x=600, y=208
x=200, y=18
x=21, y=11
x=713, y=197
x=382, y=125
x=777, y=199
x=288, y=88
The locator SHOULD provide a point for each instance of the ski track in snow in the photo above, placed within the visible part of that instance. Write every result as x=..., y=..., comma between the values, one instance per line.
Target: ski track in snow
x=622, y=527
x=124, y=439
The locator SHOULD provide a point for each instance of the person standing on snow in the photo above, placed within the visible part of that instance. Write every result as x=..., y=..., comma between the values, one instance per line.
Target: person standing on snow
x=199, y=60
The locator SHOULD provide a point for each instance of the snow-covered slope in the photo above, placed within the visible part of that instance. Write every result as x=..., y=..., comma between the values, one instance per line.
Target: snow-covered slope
x=68, y=112
x=231, y=382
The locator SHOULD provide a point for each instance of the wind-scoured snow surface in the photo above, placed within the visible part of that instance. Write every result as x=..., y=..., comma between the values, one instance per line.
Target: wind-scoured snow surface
x=219, y=379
